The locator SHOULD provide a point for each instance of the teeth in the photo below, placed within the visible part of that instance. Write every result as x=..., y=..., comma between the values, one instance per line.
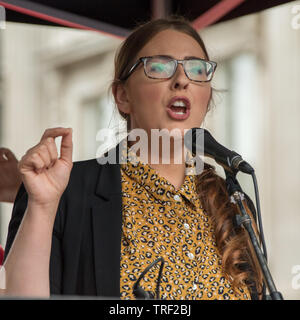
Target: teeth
x=179, y=103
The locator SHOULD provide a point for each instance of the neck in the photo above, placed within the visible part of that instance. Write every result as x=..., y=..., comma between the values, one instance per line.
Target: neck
x=174, y=173
x=170, y=165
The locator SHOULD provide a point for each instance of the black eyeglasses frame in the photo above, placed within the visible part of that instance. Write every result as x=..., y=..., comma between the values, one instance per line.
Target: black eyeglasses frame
x=144, y=60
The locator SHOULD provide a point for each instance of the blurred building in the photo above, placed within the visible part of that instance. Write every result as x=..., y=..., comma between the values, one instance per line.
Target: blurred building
x=60, y=77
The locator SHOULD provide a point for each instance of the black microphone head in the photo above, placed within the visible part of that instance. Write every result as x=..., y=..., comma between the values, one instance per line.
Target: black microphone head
x=200, y=141
x=194, y=140
x=212, y=147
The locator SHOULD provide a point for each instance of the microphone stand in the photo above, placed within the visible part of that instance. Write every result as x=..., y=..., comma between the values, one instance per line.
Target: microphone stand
x=237, y=196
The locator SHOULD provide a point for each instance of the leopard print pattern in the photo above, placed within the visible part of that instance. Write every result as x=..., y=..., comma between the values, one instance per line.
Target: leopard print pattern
x=160, y=221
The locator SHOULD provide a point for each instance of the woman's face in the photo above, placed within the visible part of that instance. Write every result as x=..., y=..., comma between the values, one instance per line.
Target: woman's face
x=148, y=100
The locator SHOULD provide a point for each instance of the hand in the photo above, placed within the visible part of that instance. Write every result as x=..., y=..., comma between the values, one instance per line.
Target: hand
x=10, y=178
x=45, y=176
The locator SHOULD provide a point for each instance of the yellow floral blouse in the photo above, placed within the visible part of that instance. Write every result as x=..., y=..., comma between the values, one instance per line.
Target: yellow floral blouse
x=160, y=221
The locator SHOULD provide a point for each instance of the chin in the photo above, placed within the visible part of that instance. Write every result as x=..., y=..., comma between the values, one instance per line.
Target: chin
x=177, y=132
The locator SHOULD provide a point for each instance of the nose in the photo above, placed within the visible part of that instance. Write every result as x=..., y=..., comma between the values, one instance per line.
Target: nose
x=179, y=79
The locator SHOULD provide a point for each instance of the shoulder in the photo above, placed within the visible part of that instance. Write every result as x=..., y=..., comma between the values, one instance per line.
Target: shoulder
x=85, y=167
x=84, y=175
x=91, y=176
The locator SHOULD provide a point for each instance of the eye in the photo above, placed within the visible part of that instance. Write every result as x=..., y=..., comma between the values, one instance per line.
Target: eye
x=197, y=70
x=157, y=67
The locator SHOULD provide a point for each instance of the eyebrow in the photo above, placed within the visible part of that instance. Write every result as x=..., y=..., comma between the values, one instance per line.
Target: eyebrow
x=186, y=57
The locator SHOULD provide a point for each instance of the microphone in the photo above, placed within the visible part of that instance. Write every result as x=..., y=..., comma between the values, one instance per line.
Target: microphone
x=199, y=140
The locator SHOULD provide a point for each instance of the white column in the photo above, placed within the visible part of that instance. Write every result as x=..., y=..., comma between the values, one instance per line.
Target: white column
x=281, y=166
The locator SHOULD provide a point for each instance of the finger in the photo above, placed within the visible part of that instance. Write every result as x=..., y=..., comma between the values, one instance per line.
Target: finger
x=43, y=152
x=66, y=148
x=54, y=132
x=32, y=162
x=51, y=153
x=50, y=143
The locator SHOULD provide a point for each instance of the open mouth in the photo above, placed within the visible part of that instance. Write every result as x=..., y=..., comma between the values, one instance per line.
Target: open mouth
x=179, y=110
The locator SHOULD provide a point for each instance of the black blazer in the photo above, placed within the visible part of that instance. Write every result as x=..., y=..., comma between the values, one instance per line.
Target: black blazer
x=86, y=240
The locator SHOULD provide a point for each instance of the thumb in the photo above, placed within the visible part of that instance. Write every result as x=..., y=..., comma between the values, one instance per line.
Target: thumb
x=66, y=149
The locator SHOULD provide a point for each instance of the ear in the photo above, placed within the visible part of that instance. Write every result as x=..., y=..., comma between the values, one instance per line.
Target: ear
x=121, y=97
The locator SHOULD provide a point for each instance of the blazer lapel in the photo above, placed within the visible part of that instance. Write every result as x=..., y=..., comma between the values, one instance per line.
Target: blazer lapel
x=107, y=229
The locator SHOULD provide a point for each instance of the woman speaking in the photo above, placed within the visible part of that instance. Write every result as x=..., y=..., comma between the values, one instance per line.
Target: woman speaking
x=87, y=228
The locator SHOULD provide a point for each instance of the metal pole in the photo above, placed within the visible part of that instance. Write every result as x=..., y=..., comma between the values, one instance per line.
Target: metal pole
x=160, y=9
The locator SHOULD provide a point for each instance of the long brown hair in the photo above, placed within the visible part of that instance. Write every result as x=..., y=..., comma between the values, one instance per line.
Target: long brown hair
x=239, y=262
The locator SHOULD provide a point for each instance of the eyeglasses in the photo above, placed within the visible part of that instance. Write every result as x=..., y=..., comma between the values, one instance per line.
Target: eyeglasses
x=163, y=67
